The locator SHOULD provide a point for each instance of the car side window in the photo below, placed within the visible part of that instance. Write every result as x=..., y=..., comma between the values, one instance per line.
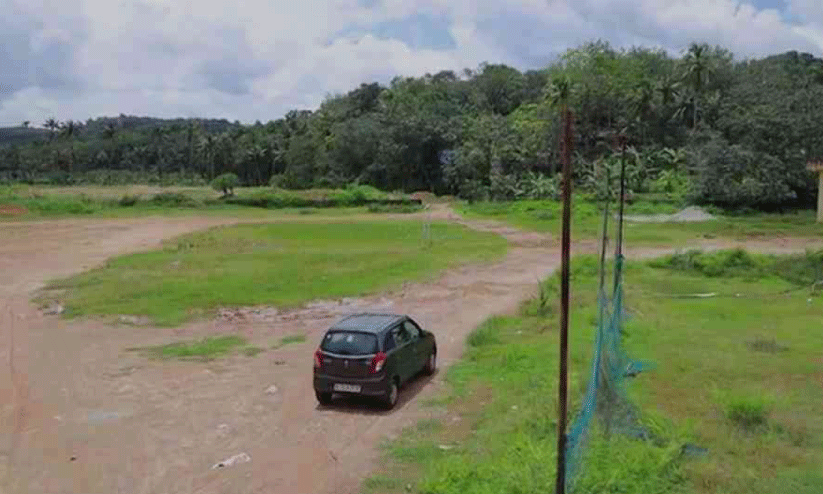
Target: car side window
x=412, y=330
x=401, y=336
x=388, y=344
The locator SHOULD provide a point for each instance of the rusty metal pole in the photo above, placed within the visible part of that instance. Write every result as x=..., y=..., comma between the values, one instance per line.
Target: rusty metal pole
x=619, y=249
x=817, y=167
x=560, y=487
x=820, y=197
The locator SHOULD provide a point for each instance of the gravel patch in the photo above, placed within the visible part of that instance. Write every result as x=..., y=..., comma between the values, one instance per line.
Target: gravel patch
x=691, y=214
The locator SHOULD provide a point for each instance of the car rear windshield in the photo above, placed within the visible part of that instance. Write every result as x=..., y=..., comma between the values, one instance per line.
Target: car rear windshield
x=349, y=343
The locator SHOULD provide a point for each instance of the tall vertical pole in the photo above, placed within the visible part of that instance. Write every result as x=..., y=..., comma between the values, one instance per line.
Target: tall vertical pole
x=820, y=196
x=605, y=238
x=619, y=246
x=816, y=166
x=622, y=195
x=560, y=487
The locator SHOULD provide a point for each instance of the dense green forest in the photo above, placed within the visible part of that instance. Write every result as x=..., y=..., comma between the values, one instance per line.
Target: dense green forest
x=704, y=125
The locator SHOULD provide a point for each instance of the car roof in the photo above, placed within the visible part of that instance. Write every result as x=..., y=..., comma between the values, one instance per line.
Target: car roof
x=367, y=322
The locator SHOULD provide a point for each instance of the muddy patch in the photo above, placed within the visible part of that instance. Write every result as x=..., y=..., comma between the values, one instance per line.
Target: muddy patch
x=319, y=309
x=11, y=210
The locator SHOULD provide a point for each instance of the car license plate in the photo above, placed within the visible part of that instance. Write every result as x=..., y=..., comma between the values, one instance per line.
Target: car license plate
x=347, y=388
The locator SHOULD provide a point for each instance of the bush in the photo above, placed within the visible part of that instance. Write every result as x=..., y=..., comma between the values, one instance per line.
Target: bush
x=504, y=187
x=275, y=200
x=714, y=264
x=537, y=186
x=473, y=190
x=801, y=269
x=329, y=182
x=174, y=199
x=487, y=333
x=394, y=208
x=356, y=195
x=128, y=200
x=672, y=182
x=291, y=180
x=225, y=183
x=733, y=177
x=278, y=181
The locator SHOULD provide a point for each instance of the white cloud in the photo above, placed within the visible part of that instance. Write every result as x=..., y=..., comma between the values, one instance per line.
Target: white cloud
x=809, y=10
x=256, y=59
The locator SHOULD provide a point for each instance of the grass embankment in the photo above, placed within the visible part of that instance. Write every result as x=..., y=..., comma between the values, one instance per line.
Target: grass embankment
x=587, y=217
x=277, y=264
x=29, y=202
x=737, y=373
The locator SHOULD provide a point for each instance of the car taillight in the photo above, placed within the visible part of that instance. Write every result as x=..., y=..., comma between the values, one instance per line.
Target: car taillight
x=377, y=363
x=318, y=359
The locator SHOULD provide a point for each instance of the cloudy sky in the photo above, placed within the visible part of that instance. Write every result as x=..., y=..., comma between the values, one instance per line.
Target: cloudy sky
x=256, y=59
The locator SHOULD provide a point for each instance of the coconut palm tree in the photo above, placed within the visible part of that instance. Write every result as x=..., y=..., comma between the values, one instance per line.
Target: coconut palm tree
x=642, y=105
x=68, y=130
x=207, y=146
x=52, y=125
x=669, y=89
x=110, y=130
x=816, y=73
x=698, y=70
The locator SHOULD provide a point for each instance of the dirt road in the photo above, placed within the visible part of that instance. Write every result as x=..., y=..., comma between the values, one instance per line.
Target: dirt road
x=81, y=415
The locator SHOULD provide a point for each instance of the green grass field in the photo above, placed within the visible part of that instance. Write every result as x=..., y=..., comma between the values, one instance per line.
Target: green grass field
x=738, y=374
x=278, y=264
x=545, y=216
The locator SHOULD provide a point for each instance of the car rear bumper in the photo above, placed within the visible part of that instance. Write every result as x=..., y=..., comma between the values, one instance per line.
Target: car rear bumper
x=369, y=386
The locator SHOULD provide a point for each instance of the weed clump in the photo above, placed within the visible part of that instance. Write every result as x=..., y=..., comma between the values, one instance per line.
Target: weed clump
x=251, y=351
x=800, y=269
x=748, y=411
x=766, y=346
x=487, y=333
x=712, y=264
x=206, y=349
x=544, y=303
x=289, y=339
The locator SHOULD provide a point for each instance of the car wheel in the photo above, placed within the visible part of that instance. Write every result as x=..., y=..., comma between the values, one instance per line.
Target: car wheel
x=431, y=364
x=323, y=398
x=392, y=394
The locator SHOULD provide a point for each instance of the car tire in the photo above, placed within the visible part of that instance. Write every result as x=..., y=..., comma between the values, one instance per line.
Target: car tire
x=391, y=396
x=431, y=364
x=323, y=398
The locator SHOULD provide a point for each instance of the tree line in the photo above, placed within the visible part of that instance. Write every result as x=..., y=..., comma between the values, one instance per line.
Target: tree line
x=725, y=131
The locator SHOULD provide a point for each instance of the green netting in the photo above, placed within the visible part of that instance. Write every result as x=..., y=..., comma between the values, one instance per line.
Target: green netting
x=605, y=397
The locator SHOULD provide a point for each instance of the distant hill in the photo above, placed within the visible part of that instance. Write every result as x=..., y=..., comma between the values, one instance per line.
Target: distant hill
x=794, y=57
x=21, y=135
x=135, y=123
x=95, y=127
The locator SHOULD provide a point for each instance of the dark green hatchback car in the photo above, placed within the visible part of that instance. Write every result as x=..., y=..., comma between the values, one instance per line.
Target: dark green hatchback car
x=372, y=354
